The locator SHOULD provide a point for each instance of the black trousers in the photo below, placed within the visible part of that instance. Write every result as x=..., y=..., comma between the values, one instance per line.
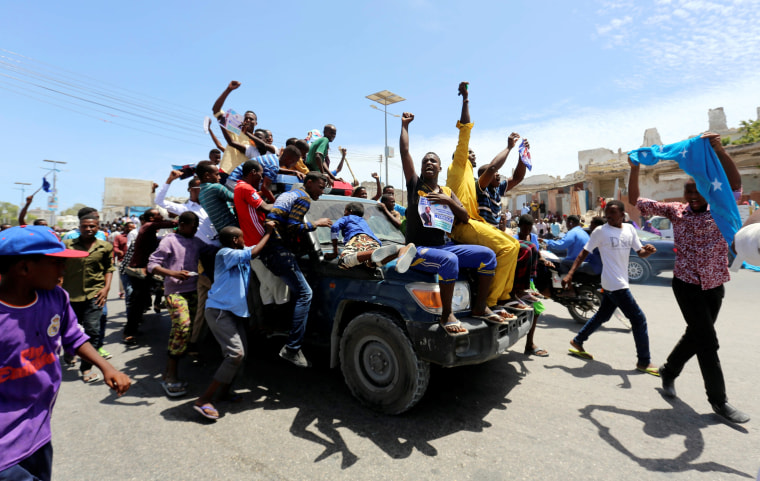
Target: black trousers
x=700, y=310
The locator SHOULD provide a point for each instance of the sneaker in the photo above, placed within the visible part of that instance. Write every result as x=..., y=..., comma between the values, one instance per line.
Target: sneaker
x=380, y=254
x=405, y=257
x=296, y=357
x=104, y=354
x=668, y=383
x=730, y=413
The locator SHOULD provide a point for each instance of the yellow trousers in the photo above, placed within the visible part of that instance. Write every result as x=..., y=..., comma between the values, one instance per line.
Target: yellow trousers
x=503, y=245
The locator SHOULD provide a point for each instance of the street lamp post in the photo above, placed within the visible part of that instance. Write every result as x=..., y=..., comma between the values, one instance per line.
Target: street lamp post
x=23, y=190
x=55, y=171
x=385, y=98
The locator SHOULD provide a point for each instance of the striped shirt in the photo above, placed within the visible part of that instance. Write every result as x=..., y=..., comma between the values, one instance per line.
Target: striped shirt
x=489, y=201
x=288, y=214
x=217, y=200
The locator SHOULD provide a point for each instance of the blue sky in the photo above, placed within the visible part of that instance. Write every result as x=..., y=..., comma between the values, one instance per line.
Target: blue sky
x=566, y=75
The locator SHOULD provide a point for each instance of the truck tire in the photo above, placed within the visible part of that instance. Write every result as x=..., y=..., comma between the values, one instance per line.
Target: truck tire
x=638, y=270
x=379, y=364
x=584, y=311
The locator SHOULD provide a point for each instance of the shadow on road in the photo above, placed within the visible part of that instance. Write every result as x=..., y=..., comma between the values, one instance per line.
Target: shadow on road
x=680, y=420
x=596, y=368
x=456, y=400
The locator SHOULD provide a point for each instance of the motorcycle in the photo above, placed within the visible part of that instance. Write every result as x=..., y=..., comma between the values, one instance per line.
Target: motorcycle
x=588, y=291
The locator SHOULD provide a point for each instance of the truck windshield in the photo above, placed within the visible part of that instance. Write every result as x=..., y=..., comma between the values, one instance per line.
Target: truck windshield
x=375, y=217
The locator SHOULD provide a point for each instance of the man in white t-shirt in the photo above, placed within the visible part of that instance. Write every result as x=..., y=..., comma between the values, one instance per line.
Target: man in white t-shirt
x=615, y=241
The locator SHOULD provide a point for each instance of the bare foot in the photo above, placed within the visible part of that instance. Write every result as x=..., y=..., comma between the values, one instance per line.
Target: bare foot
x=577, y=346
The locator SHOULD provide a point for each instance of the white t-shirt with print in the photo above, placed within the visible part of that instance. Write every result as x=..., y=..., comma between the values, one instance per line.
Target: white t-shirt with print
x=614, y=244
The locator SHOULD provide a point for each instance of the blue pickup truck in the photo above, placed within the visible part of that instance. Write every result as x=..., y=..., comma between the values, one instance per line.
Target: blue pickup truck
x=381, y=326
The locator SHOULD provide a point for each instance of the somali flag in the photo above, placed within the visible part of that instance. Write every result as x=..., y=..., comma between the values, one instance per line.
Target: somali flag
x=697, y=158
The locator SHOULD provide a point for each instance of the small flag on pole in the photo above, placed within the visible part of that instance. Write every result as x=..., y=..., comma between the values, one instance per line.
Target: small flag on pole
x=46, y=185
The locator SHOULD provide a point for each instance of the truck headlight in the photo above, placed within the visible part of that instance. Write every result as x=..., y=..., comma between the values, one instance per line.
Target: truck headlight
x=428, y=296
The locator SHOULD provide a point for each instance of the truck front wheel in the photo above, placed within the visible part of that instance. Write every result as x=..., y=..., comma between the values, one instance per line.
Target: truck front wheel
x=379, y=364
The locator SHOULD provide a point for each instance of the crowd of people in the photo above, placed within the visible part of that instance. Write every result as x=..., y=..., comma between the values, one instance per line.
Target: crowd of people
x=198, y=265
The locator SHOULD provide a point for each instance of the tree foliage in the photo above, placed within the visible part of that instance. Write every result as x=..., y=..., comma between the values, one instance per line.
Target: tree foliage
x=750, y=132
x=73, y=210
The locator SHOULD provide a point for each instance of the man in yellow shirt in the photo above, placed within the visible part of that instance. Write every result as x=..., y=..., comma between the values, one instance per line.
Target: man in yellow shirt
x=460, y=179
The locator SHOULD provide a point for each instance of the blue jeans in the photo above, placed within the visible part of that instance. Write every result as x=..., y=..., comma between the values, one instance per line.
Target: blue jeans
x=623, y=299
x=38, y=466
x=283, y=263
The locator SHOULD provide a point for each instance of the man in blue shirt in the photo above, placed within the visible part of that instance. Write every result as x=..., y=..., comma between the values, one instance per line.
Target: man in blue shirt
x=573, y=243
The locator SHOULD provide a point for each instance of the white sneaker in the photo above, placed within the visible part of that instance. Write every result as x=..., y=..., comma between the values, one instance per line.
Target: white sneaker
x=405, y=257
x=382, y=253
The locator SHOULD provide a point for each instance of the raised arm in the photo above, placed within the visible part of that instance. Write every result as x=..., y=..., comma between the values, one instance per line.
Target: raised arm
x=219, y=104
x=342, y=159
x=463, y=91
x=379, y=186
x=22, y=214
x=498, y=162
x=633, y=183
x=216, y=141
x=519, y=174
x=734, y=178
x=260, y=143
x=232, y=143
x=403, y=146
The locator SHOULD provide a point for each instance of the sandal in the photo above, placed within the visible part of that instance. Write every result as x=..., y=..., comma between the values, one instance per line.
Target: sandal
x=460, y=331
x=654, y=371
x=517, y=304
x=537, y=351
x=492, y=317
x=207, y=411
x=90, y=377
x=504, y=313
x=129, y=340
x=174, y=389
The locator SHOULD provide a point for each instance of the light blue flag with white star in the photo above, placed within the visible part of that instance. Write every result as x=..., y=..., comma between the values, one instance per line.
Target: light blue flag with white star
x=697, y=158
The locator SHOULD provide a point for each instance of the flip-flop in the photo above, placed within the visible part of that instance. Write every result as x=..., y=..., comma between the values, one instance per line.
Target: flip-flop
x=514, y=303
x=91, y=377
x=492, y=318
x=504, y=313
x=581, y=354
x=381, y=253
x=649, y=370
x=207, y=411
x=453, y=323
x=174, y=389
x=537, y=352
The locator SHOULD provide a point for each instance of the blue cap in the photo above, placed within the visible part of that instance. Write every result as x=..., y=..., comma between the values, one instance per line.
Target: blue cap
x=34, y=239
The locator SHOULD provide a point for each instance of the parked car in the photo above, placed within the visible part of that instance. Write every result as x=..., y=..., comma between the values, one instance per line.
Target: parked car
x=382, y=327
x=640, y=270
x=663, y=225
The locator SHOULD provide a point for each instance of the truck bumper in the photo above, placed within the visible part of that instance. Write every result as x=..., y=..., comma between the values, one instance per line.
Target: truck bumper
x=484, y=341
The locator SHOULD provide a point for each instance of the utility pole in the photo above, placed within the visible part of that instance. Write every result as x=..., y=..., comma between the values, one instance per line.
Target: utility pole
x=23, y=191
x=53, y=199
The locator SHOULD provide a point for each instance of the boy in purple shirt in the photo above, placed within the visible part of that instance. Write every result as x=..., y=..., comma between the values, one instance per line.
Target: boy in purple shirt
x=36, y=323
x=177, y=260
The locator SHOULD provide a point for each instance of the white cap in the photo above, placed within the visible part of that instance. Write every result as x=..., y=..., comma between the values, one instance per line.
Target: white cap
x=747, y=246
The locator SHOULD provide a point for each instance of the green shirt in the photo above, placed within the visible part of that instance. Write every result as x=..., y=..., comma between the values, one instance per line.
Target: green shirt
x=85, y=276
x=318, y=146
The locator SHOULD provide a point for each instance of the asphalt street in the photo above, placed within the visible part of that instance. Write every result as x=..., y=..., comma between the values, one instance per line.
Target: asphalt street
x=516, y=417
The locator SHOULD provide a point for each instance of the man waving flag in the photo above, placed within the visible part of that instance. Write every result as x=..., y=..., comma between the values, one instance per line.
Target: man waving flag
x=698, y=159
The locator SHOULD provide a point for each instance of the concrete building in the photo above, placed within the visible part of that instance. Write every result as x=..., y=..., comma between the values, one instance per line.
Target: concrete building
x=601, y=171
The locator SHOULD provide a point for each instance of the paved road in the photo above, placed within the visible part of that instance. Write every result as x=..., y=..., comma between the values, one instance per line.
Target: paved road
x=517, y=417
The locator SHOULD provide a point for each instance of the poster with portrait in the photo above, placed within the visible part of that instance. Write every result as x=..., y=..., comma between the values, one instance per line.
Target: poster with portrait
x=435, y=216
